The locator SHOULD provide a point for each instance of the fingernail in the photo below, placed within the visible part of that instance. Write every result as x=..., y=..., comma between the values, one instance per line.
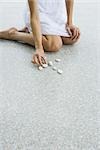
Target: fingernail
x=32, y=61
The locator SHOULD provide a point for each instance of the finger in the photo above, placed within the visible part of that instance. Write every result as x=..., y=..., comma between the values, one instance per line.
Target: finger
x=33, y=60
x=78, y=30
x=74, y=34
x=77, y=33
x=69, y=31
x=44, y=60
x=76, y=39
x=78, y=36
x=40, y=60
x=36, y=60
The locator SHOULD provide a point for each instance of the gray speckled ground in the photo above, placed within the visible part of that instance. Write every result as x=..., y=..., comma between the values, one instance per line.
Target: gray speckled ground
x=44, y=110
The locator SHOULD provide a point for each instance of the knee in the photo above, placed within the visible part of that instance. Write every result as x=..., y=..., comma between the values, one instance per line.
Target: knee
x=54, y=46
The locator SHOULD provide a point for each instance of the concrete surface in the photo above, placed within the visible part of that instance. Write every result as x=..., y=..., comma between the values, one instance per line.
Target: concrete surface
x=44, y=110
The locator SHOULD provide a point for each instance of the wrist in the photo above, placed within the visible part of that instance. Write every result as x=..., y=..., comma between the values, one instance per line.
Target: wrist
x=39, y=49
x=38, y=44
x=69, y=22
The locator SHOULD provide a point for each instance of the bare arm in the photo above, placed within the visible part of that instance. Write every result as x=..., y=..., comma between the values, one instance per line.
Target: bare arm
x=73, y=31
x=38, y=57
x=35, y=24
x=69, y=7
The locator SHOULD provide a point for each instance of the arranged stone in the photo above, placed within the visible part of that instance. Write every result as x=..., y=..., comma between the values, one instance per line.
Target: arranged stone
x=57, y=60
x=40, y=68
x=45, y=65
x=50, y=63
x=59, y=71
x=54, y=68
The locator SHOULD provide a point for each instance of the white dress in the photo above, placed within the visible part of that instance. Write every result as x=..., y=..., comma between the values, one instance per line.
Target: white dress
x=53, y=17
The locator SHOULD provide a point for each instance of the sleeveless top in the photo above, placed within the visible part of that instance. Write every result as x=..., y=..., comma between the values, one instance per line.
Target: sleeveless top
x=53, y=17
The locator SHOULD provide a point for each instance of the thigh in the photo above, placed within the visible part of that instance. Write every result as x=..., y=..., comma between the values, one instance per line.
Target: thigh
x=53, y=38
x=49, y=39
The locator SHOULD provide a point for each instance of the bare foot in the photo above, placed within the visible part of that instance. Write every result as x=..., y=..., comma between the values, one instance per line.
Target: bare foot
x=25, y=29
x=7, y=33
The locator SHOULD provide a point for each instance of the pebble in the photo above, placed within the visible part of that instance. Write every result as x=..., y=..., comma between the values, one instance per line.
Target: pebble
x=45, y=65
x=54, y=68
x=40, y=68
x=57, y=60
x=50, y=63
x=59, y=71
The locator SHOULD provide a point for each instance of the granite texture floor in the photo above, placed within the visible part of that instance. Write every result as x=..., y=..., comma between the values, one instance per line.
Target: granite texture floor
x=44, y=110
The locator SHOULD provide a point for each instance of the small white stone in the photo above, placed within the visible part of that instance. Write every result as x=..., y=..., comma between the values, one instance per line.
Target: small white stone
x=45, y=65
x=57, y=60
x=59, y=71
x=40, y=68
x=50, y=63
x=54, y=68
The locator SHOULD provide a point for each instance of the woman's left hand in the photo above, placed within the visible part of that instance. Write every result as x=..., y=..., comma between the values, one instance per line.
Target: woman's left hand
x=73, y=31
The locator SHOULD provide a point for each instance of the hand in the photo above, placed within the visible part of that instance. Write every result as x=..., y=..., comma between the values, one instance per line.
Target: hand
x=73, y=31
x=39, y=57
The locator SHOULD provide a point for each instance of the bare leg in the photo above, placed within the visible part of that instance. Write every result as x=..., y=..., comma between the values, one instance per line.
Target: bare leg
x=50, y=43
x=14, y=34
x=69, y=41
